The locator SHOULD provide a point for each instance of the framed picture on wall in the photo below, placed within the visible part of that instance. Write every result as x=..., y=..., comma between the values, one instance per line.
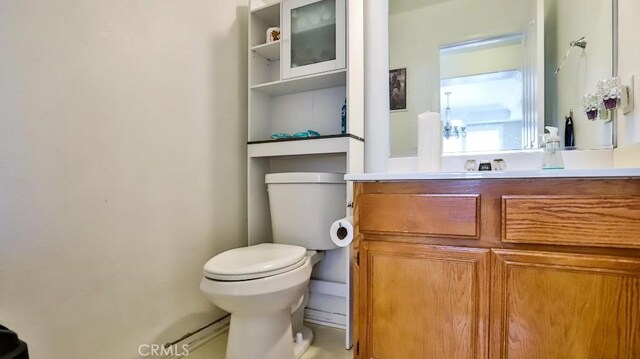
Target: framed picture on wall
x=398, y=89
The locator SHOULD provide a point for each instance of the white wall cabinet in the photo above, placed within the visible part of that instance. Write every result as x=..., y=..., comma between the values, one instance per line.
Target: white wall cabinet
x=313, y=37
x=307, y=95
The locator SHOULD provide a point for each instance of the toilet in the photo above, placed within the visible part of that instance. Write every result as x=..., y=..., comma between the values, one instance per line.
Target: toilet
x=265, y=286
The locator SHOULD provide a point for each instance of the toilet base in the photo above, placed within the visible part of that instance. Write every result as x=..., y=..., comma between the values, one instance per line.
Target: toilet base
x=301, y=346
x=267, y=336
x=259, y=328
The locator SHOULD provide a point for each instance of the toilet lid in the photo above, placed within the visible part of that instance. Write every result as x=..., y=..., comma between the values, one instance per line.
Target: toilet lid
x=261, y=260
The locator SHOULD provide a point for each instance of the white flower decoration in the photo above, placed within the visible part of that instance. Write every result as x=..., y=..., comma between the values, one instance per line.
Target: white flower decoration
x=609, y=88
x=591, y=102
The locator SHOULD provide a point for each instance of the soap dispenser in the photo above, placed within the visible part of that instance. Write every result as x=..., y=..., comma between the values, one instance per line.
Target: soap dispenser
x=552, y=156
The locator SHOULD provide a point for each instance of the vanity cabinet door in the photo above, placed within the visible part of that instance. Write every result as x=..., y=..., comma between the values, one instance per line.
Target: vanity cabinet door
x=419, y=301
x=559, y=305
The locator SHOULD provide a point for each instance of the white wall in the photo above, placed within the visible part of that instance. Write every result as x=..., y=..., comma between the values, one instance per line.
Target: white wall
x=415, y=38
x=629, y=64
x=628, y=152
x=122, y=168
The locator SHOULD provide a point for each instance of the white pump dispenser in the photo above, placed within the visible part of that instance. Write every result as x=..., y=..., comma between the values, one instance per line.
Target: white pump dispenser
x=552, y=156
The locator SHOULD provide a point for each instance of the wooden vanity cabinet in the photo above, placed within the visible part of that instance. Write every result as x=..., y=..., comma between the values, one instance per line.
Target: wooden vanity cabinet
x=461, y=269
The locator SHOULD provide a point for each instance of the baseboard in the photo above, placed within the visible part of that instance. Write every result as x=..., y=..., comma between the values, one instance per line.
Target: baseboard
x=334, y=320
x=327, y=304
x=200, y=337
x=328, y=288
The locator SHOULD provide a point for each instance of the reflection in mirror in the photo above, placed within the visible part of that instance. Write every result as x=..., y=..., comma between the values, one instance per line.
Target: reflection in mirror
x=497, y=62
x=565, y=22
x=481, y=92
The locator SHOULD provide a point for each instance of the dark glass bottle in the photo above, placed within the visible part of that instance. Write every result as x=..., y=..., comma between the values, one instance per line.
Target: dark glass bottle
x=569, y=136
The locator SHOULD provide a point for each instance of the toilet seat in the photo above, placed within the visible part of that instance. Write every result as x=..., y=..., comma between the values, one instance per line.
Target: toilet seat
x=254, y=262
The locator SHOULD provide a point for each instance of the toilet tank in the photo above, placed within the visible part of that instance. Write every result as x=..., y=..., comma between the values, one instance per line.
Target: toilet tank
x=303, y=206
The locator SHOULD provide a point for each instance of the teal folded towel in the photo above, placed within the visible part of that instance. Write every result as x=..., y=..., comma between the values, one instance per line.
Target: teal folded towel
x=279, y=136
x=307, y=133
x=303, y=134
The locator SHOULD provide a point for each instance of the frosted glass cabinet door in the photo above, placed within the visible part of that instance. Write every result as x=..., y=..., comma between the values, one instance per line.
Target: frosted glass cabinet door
x=313, y=37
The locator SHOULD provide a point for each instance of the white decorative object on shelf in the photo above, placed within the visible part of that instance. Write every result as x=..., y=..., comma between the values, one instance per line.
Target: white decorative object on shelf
x=273, y=34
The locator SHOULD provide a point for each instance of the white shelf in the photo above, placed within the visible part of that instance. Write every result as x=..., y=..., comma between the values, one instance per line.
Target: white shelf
x=270, y=51
x=301, y=147
x=306, y=83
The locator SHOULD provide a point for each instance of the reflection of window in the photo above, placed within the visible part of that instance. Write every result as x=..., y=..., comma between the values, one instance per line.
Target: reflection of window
x=487, y=103
x=485, y=82
x=477, y=140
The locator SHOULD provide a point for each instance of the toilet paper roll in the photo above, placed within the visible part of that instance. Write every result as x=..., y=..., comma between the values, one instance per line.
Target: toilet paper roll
x=342, y=232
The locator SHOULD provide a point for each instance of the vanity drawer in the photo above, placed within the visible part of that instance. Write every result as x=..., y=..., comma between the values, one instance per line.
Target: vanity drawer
x=610, y=221
x=423, y=214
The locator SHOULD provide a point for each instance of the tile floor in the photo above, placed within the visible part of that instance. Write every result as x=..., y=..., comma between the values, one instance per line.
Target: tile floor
x=327, y=344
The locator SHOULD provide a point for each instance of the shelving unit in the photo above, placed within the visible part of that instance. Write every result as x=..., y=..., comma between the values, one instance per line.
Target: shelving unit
x=310, y=102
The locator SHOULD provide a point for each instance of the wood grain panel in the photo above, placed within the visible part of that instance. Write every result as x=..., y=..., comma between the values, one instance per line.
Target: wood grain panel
x=425, y=214
x=423, y=301
x=612, y=221
x=557, y=305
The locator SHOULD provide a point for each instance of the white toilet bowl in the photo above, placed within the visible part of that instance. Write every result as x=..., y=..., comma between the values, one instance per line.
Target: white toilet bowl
x=265, y=286
x=261, y=286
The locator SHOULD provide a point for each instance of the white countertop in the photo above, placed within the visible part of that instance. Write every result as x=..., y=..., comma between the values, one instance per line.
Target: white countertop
x=412, y=176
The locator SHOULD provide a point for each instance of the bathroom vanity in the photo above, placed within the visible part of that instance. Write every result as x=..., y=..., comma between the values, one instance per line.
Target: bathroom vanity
x=499, y=265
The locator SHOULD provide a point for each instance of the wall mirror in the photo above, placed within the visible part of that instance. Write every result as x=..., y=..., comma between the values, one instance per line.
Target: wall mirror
x=489, y=67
